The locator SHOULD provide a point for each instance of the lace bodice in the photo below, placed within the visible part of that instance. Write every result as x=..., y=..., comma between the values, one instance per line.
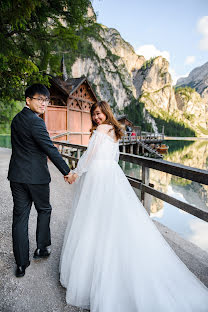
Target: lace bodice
x=102, y=146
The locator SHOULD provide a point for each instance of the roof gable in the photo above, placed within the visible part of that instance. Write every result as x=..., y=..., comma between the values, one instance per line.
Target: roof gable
x=69, y=86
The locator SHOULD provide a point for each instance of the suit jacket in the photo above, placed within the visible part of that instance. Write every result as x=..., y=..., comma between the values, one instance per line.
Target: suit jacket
x=31, y=145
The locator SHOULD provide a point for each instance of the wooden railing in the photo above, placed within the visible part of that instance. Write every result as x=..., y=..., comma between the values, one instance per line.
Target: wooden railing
x=128, y=138
x=72, y=153
x=151, y=136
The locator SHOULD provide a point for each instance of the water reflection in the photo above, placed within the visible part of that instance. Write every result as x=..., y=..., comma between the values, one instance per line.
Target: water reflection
x=186, y=225
x=189, y=153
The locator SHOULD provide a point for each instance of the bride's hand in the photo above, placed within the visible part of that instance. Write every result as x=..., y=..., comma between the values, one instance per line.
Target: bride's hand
x=74, y=176
x=71, y=178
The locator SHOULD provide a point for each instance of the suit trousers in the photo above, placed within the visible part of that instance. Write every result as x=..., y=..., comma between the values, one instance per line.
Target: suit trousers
x=23, y=197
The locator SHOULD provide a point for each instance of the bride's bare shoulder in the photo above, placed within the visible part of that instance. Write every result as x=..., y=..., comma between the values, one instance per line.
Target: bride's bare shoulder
x=104, y=128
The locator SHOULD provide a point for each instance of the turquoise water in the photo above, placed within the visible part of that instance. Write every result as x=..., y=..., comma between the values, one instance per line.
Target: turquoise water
x=189, y=153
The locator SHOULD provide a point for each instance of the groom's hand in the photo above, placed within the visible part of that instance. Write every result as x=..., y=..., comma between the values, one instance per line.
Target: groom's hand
x=67, y=177
x=70, y=178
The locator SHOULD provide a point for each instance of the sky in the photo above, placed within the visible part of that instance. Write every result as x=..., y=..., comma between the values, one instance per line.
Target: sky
x=175, y=29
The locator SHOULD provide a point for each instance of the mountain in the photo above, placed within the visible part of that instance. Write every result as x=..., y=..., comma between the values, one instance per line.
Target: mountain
x=109, y=66
x=197, y=79
x=132, y=85
x=193, y=106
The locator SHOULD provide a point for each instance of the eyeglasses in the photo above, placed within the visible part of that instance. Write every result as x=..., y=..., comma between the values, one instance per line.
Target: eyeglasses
x=41, y=100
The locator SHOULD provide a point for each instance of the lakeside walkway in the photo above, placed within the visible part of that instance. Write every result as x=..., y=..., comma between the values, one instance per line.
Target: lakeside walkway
x=39, y=290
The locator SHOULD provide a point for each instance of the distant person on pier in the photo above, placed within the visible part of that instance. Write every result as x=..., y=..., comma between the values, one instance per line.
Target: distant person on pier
x=114, y=259
x=128, y=130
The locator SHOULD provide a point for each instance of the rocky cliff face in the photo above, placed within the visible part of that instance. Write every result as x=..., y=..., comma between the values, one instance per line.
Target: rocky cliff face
x=121, y=77
x=198, y=79
x=110, y=68
x=193, y=107
x=153, y=85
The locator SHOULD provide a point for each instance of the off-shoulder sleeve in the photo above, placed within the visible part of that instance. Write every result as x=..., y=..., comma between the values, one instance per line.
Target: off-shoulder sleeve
x=90, y=154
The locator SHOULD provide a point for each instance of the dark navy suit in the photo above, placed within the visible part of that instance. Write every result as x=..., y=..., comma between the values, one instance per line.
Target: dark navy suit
x=29, y=180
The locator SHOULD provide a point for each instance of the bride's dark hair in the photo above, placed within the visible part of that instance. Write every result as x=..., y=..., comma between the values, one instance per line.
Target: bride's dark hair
x=110, y=119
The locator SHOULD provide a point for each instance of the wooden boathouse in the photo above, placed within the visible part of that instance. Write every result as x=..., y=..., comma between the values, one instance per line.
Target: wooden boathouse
x=68, y=114
x=67, y=117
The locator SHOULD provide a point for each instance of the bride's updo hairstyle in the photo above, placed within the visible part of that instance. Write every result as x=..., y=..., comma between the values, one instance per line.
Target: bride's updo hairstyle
x=110, y=119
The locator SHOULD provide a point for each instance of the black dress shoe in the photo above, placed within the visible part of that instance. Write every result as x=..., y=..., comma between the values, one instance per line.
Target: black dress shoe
x=42, y=253
x=20, y=270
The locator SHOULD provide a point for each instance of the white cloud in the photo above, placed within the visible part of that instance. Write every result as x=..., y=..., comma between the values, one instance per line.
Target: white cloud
x=202, y=27
x=199, y=233
x=174, y=75
x=190, y=60
x=149, y=50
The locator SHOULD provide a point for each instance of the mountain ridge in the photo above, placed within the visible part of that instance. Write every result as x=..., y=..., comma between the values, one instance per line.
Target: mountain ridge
x=133, y=85
x=197, y=79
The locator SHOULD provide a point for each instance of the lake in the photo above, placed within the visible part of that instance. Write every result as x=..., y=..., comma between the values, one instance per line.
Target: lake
x=189, y=153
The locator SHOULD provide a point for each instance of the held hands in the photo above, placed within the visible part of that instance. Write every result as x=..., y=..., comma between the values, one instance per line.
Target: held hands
x=70, y=178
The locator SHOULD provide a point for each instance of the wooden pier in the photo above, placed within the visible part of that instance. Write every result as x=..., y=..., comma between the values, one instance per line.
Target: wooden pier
x=139, y=144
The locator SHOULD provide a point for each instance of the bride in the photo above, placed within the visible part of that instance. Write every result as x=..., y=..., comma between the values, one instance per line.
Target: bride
x=113, y=258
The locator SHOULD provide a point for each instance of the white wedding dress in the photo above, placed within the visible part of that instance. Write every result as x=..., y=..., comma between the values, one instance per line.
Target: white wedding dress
x=113, y=258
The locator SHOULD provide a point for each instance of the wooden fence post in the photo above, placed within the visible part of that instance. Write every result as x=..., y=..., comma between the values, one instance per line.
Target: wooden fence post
x=146, y=198
x=137, y=148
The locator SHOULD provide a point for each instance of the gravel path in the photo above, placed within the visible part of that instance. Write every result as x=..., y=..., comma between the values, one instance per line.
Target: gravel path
x=39, y=290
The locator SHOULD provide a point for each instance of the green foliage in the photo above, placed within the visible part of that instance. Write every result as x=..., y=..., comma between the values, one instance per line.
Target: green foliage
x=189, y=155
x=189, y=117
x=203, y=130
x=8, y=110
x=83, y=50
x=173, y=127
x=162, y=73
x=134, y=111
x=30, y=30
x=148, y=63
x=177, y=145
x=185, y=92
x=177, y=181
x=112, y=56
x=5, y=140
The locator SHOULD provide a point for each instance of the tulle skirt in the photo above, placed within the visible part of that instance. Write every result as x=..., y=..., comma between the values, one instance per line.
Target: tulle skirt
x=114, y=259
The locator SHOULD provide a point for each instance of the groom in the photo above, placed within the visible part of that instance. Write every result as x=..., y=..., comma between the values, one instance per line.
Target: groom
x=29, y=176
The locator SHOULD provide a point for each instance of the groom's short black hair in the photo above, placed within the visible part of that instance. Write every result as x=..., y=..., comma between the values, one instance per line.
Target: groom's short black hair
x=37, y=88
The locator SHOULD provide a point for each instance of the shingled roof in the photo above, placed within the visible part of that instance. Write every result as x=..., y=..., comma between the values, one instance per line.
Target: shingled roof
x=69, y=86
x=120, y=117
